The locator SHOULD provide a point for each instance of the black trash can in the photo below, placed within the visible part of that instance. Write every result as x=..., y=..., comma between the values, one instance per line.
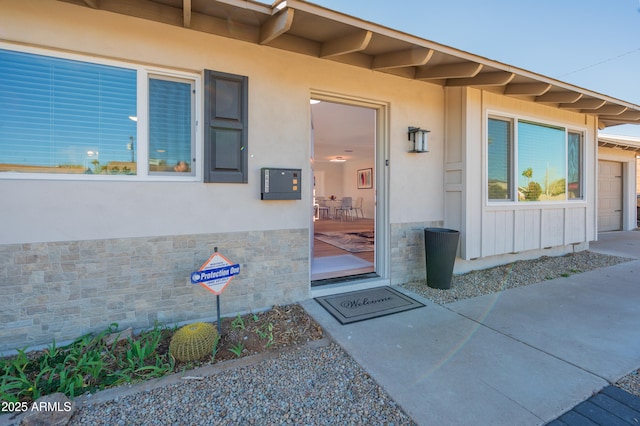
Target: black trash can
x=440, y=245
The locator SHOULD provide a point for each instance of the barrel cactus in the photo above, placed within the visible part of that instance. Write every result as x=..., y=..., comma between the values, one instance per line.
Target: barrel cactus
x=193, y=341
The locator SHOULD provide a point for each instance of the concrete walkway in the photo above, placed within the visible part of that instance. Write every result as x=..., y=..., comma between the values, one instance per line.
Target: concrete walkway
x=519, y=357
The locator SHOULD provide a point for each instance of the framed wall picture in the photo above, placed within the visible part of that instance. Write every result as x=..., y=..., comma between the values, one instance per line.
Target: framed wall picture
x=364, y=179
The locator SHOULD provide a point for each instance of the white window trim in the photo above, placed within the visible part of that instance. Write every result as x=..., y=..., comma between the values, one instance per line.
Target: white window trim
x=142, y=143
x=583, y=162
x=514, y=118
x=514, y=154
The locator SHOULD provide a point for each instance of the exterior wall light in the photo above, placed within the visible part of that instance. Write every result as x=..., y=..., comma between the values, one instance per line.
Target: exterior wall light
x=418, y=138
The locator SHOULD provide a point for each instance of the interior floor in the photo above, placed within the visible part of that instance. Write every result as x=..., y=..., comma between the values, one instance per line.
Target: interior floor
x=323, y=251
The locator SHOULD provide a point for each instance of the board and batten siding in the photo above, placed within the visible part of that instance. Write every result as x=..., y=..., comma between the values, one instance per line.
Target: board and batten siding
x=512, y=231
x=505, y=229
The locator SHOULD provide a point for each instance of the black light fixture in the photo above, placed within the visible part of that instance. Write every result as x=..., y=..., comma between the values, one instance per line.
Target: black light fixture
x=418, y=137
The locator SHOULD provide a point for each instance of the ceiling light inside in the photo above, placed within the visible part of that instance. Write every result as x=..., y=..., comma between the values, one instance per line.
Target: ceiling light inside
x=338, y=160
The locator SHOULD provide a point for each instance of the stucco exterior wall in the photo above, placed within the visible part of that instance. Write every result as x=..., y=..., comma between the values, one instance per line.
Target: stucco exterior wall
x=57, y=216
x=279, y=88
x=44, y=221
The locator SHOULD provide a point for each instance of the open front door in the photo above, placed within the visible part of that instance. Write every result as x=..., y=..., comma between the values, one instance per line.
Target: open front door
x=344, y=141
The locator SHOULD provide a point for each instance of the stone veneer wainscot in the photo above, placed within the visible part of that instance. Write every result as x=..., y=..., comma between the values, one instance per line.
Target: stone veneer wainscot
x=61, y=290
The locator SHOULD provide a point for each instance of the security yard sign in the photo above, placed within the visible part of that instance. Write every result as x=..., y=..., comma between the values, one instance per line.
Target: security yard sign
x=215, y=274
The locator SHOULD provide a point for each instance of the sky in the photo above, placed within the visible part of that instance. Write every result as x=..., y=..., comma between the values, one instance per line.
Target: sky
x=593, y=44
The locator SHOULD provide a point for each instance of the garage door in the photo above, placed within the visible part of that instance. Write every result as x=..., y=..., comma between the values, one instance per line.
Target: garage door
x=609, y=196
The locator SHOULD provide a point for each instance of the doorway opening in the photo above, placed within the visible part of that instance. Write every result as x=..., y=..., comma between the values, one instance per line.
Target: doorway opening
x=343, y=145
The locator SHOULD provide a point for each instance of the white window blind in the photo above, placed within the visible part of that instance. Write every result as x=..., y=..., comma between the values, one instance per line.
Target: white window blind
x=541, y=161
x=499, y=163
x=170, y=124
x=64, y=116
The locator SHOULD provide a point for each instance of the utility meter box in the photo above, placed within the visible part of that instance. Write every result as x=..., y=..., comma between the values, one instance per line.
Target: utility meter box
x=281, y=184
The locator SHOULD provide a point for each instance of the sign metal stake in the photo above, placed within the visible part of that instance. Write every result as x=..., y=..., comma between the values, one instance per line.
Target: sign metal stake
x=218, y=311
x=215, y=275
x=215, y=250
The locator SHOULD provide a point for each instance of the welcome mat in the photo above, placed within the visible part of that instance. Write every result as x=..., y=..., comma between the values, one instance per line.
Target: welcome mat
x=366, y=304
x=354, y=242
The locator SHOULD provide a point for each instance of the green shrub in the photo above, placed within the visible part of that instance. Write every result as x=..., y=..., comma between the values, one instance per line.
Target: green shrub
x=533, y=191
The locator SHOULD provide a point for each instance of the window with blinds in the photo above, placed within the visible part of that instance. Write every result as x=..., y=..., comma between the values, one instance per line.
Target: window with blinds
x=542, y=162
x=574, y=166
x=499, y=166
x=171, y=139
x=64, y=116
x=548, y=165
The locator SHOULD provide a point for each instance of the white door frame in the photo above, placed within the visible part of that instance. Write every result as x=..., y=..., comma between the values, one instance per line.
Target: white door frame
x=381, y=171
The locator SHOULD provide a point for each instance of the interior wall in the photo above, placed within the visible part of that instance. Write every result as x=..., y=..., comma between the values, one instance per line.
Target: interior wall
x=340, y=179
x=351, y=186
x=333, y=179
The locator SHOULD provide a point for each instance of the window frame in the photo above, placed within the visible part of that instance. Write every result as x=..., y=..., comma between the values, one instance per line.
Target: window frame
x=515, y=119
x=512, y=155
x=582, y=161
x=192, y=161
x=143, y=74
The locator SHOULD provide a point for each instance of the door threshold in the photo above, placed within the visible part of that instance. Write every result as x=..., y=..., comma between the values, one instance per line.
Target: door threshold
x=348, y=284
x=343, y=279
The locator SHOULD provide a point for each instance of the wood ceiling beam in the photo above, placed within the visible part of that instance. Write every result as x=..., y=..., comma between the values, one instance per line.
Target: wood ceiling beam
x=461, y=70
x=406, y=72
x=559, y=97
x=186, y=13
x=403, y=58
x=499, y=78
x=276, y=26
x=603, y=124
x=348, y=44
x=607, y=110
x=628, y=115
x=620, y=145
x=144, y=9
x=581, y=104
x=527, y=89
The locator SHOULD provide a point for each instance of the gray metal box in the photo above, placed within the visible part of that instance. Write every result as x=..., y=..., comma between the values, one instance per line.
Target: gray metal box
x=280, y=184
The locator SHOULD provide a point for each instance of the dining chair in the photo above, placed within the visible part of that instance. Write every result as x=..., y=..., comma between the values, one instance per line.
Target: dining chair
x=345, y=208
x=358, y=206
x=323, y=209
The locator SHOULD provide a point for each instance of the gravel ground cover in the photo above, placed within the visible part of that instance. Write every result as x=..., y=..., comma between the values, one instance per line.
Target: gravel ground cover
x=630, y=383
x=319, y=383
x=487, y=281
x=310, y=385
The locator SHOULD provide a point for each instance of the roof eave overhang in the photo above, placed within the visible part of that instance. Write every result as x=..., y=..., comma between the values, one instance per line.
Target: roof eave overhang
x=308, y=29
x=626, y=143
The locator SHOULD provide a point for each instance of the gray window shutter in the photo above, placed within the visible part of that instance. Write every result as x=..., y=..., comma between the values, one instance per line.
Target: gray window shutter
x=225, y=133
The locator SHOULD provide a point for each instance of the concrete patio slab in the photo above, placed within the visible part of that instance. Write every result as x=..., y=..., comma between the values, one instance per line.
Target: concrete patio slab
x=621, y=243
x=443, y=368
x=522, y=356
x=590, y=320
